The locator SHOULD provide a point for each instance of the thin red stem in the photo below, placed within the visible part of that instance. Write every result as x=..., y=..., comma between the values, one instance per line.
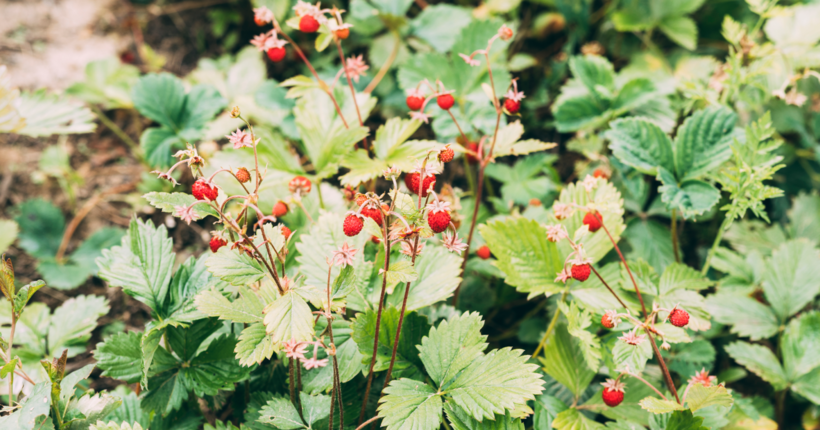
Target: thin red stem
x=352, y=90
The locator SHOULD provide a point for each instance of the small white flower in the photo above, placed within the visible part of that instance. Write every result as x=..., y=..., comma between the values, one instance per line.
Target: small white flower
x=556, y=232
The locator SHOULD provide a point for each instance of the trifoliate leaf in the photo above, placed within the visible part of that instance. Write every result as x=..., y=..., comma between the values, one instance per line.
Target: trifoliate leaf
x=660, y=406
x=691, y=197
x=700, y=396
x=577, y=112
x=508, y=142
x=760, y=361
x=531, y=262
x=594, y=72
x=142, y=264
x=641, y=144
x=410, y=405
x=452, y=346
x=289, y=317
x=494, y=382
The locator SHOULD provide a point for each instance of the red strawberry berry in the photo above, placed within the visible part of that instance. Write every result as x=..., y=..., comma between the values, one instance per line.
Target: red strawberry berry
x=277, y=54
x=373, y=213
x=445, y=101
x=593, y=221
x=360, y=199
x=580, y=272
x=243, y=175
x=412, y=181
x=415, y=102
x=216, y=243
x=376, y=240
x=483, y=252
x=612, y=398
x=446, y=155
x=308, y=24
x=280, y=209
x=679, y=317
x=353, y=225
x=259, y=21
x=202, y=190
x=438, y=221
x=512, y=106
x=472, y=146
x=600, y=173
x=299, y=184
x=343, y=33
x=286, y=232
x=606, y=321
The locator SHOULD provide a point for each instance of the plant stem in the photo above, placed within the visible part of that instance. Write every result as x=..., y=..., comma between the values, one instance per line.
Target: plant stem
x=352, y=90
x=11, y=345
x=337, y=384
x=401, y=319
x=364, y=424
x=378, y=322
x=723, y=226
x=675, y=234
x=386, y=66
x=550, y=328
x=666, y=373
x=608, y=287
x=621, y=255
x=136, y=151
x=477, y=203
x=636, y=376
x=463, y=136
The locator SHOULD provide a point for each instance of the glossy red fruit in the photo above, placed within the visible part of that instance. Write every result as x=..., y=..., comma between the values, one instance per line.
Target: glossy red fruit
x=600, y=173
x=679, y=317
x=472, y=146
x=216, y=243
x=445, y=101
x=373, y=213
x=413, y=183
x=580, y=272
x=280, y=209
x=438, y=221
x=612, y=398
x=299, y=184
x=277, y=54
x=352, y=225
x=202, y=191
x=309, y=24
x=415, y=102
x=512, y=106
x=343, y=33
x=243, y=175
x=593, y=221
x=360, y=199
x=483, y=252
x=607, y=322
x=286, y=232
x=446, y=155
x=259, y=21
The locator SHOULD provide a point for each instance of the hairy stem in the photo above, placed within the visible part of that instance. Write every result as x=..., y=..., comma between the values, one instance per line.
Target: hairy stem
x=401, y=320
x=550, y=328
x=477, y=204
x=337, y=384
x=665, y=370
x=608, y=287
x=352, y=90
x=11, y=345
x=386, y=66
x=675, y=234
x=638, y=377
x=623, y=260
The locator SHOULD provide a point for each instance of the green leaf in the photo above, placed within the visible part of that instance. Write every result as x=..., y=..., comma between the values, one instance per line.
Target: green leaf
x=680, y=276
x=281, y=413
x=33, y=412
x=440, y=24
x=167, y=202
x=41, y=228
x=108, y=82
x=577, y=112
x=73, y=271
x=410, y=405
x=572, y=419
x=161, y=98
x=158, y=144
x=651, y=241
x=100, y=425
x=604, y=198
x=255, y=346
x=460, y=420
x=438, y=271
x=414, y=327
x=659, y=406
x=46, y=114
x=235, y=268
x=245, y=309
x=800, y=346
x=563, y=360
x=746, y=316
x=682, y=30
x=700, y=396
x=401, y=271
x=760, y=361
x=634, y=356
x=120, y=357
x=289, y=317
x=641, y=144
x=803, y=217
x=634, y=93
x=508, y=141
x=350, y=364
x=593, y=72
x=452, y=346
x=142, y=264
x=73, y=322
x=578, y=321
x=691, y=197
x=704, y=141
x=8, y=367
x=791, y=278
x=8, y=234
x=24, y=295
x=684, y=420
x=531, y=262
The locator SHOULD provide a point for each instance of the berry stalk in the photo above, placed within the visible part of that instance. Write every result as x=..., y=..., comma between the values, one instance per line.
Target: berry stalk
x=352, y=90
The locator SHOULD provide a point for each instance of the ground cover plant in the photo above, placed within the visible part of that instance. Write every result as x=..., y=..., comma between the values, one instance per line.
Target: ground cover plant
x=411, y=215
